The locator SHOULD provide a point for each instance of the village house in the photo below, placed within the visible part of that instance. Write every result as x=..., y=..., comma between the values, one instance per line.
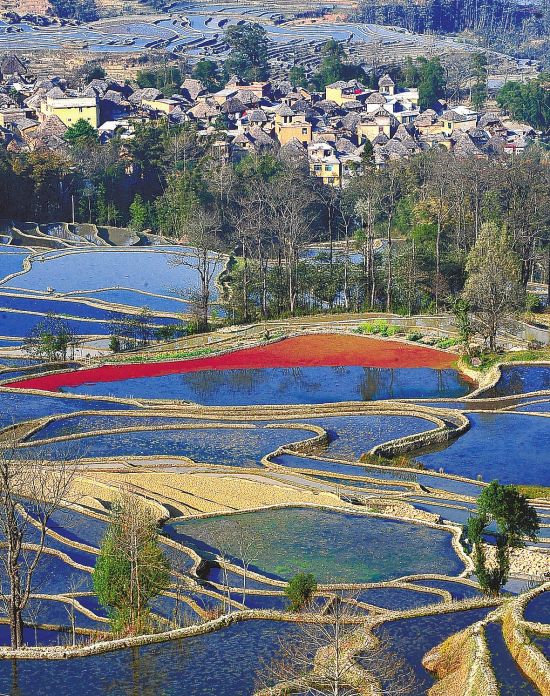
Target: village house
x=290, y=125
x=69, y=110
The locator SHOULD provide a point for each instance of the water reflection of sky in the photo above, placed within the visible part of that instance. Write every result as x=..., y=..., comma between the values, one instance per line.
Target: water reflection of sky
x=288, y=385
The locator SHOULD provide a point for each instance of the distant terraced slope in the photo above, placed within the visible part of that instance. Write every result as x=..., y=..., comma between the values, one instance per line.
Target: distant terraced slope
x=110, y=7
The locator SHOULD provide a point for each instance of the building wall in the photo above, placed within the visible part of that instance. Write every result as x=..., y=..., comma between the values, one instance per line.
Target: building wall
x=287, y=131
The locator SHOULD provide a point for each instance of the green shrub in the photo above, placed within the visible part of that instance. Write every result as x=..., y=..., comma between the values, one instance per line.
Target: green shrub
x=380, y=327
x=414, y=336
x=300, y=589
x=447, y=342
x=533, y=303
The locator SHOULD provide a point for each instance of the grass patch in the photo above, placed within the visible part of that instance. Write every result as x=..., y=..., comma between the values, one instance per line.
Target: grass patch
x=401, y=461
x=542, y=492
x=488, y=360
x=379, y=327
x=162, y=357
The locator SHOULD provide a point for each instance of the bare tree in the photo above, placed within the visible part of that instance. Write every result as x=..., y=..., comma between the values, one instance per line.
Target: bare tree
x=320, y=660
x=23, y=527
x=202, y=257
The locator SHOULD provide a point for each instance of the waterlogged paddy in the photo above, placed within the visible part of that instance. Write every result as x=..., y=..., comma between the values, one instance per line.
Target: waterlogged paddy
x=350, y=436
x=513, y=448
x=412, y=638
x=11, y=261
x=219, y=445
x=334, y=546
x=140, y=269
x=509, y=677
x=520, y=379
x=538, y=609
x=224, y=663
x=296, y=385
x=16, y=407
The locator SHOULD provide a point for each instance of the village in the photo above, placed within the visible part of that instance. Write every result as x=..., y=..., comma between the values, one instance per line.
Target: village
x=338, y=130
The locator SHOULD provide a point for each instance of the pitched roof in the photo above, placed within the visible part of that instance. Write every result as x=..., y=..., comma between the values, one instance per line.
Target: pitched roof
x=233, y=106
x=465, y=146
x=257, y=115
x=376, y=98
x=12, y=65
x=284, y=110
x=385, y=80
x=192, y=88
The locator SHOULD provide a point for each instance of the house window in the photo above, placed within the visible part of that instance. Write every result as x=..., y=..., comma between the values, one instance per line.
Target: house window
x=304, y=131
x=317, y=168
x=328, y=167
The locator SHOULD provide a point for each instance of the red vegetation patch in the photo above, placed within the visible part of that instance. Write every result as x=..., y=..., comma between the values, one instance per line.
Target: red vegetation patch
x=318, y=350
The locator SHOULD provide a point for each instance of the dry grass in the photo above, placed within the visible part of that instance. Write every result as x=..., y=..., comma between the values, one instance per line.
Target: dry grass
x=193, y=493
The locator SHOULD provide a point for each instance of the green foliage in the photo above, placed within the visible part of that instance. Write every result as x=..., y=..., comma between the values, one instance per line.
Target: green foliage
x=139, y=214
x=461, y=310
x=81, y=10
x=533, y=303
x=493, y=288
x=90, y=70
x=414, y=336
x=297, y=76
x=50, y=339
x=167, y=79
x=431, y=85
x=411, y=73
x=479, y=88
x=515, y=519
x=447, y=342
x=378, y=326
x=529, y=101
x=300, y=590
x=208, y=72
x=81, y=132
x=248, y=45
x=114, y=344
x=131, y=568
x=333, y=67
x=511, y=511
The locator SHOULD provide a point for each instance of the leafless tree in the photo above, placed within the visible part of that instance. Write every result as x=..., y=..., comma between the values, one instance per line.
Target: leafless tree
x=320, y=659
x=23, y=528
x=202, y=256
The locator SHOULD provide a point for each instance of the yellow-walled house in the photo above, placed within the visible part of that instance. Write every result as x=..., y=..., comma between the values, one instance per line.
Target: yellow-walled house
x=375, y=124
x=289, y=126
x=165, y=106
x=324, y=163
x=69, y=110
x=341, y=92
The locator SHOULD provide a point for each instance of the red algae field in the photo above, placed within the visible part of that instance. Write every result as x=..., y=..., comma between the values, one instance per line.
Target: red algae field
x=318, y=350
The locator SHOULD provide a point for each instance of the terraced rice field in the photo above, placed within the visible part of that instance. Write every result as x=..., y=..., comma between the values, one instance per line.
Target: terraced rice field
x=266, y=442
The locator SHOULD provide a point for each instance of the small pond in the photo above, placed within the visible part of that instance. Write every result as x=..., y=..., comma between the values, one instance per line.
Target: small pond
x=412, y=638
x=520, y=379
x=334, y=546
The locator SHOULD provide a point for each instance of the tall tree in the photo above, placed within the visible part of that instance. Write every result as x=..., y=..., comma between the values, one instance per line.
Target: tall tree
x=493, y=287
x=131, y=568
x=431, y=86
x=515, y=519
x=248, y=45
